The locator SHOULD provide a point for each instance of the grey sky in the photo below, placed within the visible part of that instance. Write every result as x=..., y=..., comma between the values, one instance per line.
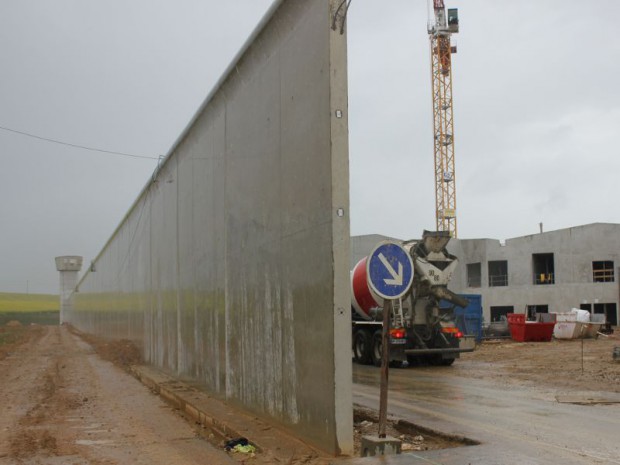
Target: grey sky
x=536, y=101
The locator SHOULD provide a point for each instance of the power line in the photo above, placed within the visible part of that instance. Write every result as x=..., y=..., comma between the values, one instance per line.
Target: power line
x=34, y=136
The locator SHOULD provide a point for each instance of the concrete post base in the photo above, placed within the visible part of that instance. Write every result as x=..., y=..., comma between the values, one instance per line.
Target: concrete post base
x=374, y=445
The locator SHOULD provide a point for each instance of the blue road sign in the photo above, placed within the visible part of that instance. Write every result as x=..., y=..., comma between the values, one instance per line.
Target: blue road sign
x=389, y=270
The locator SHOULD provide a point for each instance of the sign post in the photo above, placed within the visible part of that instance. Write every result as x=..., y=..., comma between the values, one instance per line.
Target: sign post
x=385, y=364
x=390, y=275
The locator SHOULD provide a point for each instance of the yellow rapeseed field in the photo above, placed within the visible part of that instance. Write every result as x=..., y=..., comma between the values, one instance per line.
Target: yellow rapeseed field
x=25, y=303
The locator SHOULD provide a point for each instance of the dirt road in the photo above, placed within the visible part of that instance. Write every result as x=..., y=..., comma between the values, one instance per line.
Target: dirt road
x=62, y=404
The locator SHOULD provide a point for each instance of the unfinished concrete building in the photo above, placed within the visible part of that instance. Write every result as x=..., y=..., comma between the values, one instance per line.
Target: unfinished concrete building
x=548, y=272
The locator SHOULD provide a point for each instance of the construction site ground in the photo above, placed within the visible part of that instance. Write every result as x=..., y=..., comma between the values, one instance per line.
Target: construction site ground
x=567, y=365
x=76, y=400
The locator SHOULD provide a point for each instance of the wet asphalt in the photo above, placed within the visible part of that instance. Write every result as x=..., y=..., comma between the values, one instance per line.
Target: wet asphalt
x=514, y=424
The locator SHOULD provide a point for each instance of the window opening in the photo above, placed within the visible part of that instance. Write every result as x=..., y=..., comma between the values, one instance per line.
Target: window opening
x=498, y=273
x=603, y=271
x=474, y=275
x=501, y=311
x=544, y=269
x=534, y=310
x=609, y=309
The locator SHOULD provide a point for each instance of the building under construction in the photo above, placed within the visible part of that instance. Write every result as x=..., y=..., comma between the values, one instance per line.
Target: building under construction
x=547, y=272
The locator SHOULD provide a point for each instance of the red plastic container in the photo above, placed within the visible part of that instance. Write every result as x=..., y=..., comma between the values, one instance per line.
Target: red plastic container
x=522, y=331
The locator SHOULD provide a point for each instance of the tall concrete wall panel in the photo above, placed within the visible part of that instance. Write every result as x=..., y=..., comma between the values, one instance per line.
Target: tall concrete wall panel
x=231, y=269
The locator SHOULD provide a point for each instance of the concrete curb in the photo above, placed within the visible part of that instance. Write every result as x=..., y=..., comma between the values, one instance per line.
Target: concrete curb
x=172, y=391
x=225, y=421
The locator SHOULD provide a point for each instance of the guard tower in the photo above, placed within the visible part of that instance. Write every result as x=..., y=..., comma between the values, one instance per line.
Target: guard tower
x=68, y=266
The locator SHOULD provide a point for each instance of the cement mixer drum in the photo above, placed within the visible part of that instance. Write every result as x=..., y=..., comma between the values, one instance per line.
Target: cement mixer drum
x=363, y=300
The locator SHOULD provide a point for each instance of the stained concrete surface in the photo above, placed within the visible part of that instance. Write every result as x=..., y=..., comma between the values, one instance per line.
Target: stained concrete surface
x=524, y=425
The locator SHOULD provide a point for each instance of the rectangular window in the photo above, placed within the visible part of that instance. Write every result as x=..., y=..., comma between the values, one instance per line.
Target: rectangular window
x=611, y=314
x=474, y=275
x=534, y=310
x=498, y=273
x=603, y=272
x=544, y=269
x=498, y=312
x=453, y=17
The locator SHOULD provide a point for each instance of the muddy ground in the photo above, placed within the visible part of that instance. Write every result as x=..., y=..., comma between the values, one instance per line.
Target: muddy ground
x=124, y=354
x=64, y=404
x=557, y=364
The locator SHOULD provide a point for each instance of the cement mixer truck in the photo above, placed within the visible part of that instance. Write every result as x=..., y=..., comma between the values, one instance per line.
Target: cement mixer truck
x=422, y=323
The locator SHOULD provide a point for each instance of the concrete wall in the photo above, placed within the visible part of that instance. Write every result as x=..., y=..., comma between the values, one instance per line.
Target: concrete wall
x=574, y=251
x=231, y=269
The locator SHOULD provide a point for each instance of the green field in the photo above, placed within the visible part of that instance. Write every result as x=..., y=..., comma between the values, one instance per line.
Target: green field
x=29, y=308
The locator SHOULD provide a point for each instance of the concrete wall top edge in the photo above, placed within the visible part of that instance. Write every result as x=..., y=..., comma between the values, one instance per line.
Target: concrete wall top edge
x=227, y=72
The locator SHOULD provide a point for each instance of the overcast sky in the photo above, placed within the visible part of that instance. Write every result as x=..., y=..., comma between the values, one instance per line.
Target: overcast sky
x=536, y=99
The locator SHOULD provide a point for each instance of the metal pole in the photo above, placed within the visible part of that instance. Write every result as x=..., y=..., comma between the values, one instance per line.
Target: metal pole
x=385, y=361
x=582, y=351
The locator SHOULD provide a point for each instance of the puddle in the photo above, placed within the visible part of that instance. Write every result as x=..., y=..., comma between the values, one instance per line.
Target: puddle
x=92, y=442
x=92, y=426
x=413, y=437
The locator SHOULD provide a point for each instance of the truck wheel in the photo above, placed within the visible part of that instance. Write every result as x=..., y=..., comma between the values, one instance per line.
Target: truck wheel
x=377, y=348
x=362, y=346
x=438, y=361
x=434, y=360
x=413, y=361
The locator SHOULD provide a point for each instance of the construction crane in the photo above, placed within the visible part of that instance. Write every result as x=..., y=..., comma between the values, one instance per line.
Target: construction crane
x=440, y=29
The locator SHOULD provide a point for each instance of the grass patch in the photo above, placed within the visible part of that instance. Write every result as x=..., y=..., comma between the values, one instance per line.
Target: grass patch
x=14, y=335
x=11, y=335
x=28, y=318
x=26, y=303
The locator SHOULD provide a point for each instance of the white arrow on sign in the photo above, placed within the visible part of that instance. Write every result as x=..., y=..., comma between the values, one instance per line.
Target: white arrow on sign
x=397, y=278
